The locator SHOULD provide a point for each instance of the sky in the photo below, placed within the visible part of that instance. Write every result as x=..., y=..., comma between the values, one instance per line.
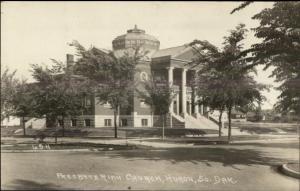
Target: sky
x=34, y=32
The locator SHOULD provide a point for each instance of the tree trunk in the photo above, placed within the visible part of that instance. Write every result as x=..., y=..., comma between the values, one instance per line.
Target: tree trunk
x=55, y=134
x=220, y=123
x=23, y=126
x=229, y=124
x=152, y=118
x=115, y=122
x=63, y=126
x=163, y=126
x=118, y=115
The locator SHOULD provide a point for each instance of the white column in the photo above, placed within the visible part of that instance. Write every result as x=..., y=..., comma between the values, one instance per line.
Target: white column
x=208, y=111
x=201, y=108
x=196, y=97
x=183, y=88
x=170, y=82
x=196, y=109
x=177, y=103
x=170, y=75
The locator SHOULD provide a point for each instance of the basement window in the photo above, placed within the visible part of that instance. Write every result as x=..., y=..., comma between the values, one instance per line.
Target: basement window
x=107, y=122
x=87, y=122
x=144, y=122
x=73, y=122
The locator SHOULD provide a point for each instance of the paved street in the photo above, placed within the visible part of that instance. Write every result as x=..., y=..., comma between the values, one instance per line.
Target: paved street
x=220, y=167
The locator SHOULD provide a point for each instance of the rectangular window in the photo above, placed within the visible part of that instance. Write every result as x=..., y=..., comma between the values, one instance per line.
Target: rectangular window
x=87, y=122
x=144, y=122
x=60, y=122
x=123, y=122
x=107, y=122
x=73, y=122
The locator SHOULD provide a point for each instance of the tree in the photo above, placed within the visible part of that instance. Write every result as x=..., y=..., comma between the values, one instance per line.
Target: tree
x=229, y=82
x=210, y=89
x=8, y=88
x=280, y=47
x=279, y=31
x=58, y=93
x=22, y=102
x=112, y=76
x=159, y=95
x=16, y=98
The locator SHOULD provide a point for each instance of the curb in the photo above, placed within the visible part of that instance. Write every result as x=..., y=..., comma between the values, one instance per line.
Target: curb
x=45, y=151
x=287, y=171
x=61, y=150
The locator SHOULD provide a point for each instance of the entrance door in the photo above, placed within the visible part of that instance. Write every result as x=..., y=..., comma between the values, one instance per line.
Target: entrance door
x=188, y=105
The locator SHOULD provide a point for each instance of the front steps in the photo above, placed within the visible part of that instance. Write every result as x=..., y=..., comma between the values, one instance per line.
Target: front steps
x=191, y=122
x=200, y=122
x=195, y=122
x=177, y=122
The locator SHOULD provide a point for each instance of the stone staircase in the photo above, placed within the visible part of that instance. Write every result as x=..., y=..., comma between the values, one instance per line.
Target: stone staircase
x=199, y=122
x=192, y=122
x=202, y=122
x=178, y=121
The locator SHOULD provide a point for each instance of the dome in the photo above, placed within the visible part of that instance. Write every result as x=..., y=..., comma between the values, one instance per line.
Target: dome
x=135, y=38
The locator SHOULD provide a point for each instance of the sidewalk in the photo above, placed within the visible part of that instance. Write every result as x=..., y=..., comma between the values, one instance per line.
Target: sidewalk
x=156, y=144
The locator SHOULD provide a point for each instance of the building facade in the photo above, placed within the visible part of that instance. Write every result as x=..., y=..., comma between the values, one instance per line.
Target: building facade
x=171, y=64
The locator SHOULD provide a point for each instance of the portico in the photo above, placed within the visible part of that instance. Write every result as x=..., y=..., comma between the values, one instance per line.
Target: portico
x=185, y=101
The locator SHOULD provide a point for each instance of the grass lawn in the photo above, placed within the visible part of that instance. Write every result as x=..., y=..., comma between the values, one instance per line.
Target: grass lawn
x=107, y=132
x=267, y=128
x=217, y=140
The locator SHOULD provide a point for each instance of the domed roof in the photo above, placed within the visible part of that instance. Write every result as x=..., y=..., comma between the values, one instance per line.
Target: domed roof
x=133, y=38
x=136, y=33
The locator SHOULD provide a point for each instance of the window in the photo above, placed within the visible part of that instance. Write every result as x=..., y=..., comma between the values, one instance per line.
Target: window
x=144, y=122
x=107, y=122
x=124, y=122
x=87, y=122
x=60, y=122
x=73, y=122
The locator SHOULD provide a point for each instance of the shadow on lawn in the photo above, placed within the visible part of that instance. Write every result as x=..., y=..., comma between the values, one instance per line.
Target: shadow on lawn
x=20, y=184
x=226, y=156
x=174, y=132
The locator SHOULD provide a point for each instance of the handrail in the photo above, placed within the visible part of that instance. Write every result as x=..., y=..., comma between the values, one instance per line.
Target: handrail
x=179, y=118
x=213, y=120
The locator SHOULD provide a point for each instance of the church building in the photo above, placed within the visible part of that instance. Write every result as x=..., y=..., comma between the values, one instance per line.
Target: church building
x=171, y=64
